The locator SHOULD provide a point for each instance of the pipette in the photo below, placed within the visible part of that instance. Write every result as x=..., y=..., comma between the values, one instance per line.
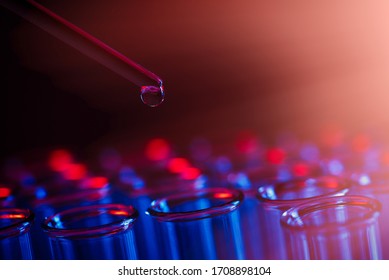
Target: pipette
x=152, y=91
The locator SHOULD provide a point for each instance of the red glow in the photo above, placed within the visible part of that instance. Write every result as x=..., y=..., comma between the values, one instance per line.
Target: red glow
x=361, y=143
x=223, y=195
x=13, y=216
x=118, y=212
x=332, y=136
x=190, y=173
x=75, y=171
x=59, y=160
x=95, y=183
x=157, y=149
x=329, y=183
x=275, y=155
x=246, y=142
x=4, y=192
x=178, y=165
x=300, y=169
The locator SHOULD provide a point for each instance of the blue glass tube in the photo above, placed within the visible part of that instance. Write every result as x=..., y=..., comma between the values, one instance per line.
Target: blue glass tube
x=140, y=194
x=376, y=185
x=277, y=197
x=14, y=234
x=51, y=205
x=97, y=232
x=335, y=228
x=201, y=224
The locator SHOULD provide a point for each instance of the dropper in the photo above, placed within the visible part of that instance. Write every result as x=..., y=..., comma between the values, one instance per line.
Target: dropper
x=152, y=92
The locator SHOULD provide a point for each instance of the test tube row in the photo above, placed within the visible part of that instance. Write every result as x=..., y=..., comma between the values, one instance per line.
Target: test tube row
x=284, y=202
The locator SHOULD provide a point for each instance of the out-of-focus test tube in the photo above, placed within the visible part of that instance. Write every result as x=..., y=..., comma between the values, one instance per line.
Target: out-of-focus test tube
x=201, y=224
x=15, y=225
x=277, y=197
x=93, y=232
x=334, y=228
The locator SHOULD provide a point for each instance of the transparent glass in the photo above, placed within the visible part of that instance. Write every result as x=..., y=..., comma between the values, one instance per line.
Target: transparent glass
x=151, y=246
x=15, y=242
x=334, y=228
x=201, y=224
x=51, y=205
x=93, y=232
x=376, y=185
x=277, y=197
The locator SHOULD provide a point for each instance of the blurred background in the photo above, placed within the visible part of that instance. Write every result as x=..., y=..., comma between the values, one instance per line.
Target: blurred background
x=228, y=66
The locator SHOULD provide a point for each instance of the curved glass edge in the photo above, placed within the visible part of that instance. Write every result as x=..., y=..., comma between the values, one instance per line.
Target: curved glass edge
x=235, y=198
x=23, y=219
x=292, y=218
x=128, y=213
x=264, y=190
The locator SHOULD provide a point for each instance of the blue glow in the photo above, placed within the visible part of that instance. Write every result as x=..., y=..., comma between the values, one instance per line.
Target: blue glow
x=239, y=180
x=335, y=167
x=28, y=180
x=310, y=152
x=223, y=164
x=40, y=193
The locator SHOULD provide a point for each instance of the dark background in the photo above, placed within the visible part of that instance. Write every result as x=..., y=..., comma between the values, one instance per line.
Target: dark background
x=227, y=66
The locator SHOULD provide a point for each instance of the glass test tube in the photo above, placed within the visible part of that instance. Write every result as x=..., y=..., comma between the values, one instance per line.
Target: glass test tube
x=376, y=185
x=15, y=225
x=277, y=197
x=151, y=246
x=140, y=193
x=97, y=232
x=201, y=224
x=51, y=205
x=334, y=228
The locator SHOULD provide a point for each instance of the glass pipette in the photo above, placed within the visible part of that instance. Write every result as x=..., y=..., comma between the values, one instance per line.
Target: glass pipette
x=152, y=92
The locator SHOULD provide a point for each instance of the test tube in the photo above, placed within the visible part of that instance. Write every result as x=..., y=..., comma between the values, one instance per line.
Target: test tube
x=15, y=225
x=140, y=193
x=152, y=91
x=51, y=205
x=334, y=228
x=277, y=197
x=97, y=232
x=201, y=224
x=376, y=185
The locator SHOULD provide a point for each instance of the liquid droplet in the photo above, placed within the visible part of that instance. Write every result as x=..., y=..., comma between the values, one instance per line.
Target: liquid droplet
x=152, y=95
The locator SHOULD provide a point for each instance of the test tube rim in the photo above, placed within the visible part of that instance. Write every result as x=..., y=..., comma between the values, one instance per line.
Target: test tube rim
x=230, y=205
x=343, y=188
x=19, y=227
x=327, y=202
x=96, y=231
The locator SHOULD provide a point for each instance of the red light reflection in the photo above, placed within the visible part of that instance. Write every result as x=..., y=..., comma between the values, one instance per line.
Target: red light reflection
x=275, y=156
x=300, y=169
x=178, y=165
x=223, y=195
x=157, y=149
x=59, y=160
x=4, y=192
x=95, y=183
x=75, y=171
x=246, y=142
x=190, y=173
